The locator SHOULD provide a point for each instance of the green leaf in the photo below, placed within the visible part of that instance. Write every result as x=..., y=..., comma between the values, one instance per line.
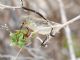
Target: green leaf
x=13, y=37
x=20, y=36
x=21, y=43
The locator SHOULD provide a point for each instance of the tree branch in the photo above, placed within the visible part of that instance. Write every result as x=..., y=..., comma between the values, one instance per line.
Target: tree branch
x=2, y=6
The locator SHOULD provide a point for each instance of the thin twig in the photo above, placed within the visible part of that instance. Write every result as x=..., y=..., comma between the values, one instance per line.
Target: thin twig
x=39, y=39
x=63, y=25
x=49, y=37
x=28, y=9
x=2, y=6
x=10, y=56
x=18, y=54
x=71, y=21
x=10, y=7
x=67, y=30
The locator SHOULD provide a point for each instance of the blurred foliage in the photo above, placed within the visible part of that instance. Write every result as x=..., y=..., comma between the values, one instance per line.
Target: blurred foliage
x=19, y=38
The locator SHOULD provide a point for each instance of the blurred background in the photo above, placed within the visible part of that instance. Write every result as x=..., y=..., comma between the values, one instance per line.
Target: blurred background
x=58, y=47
